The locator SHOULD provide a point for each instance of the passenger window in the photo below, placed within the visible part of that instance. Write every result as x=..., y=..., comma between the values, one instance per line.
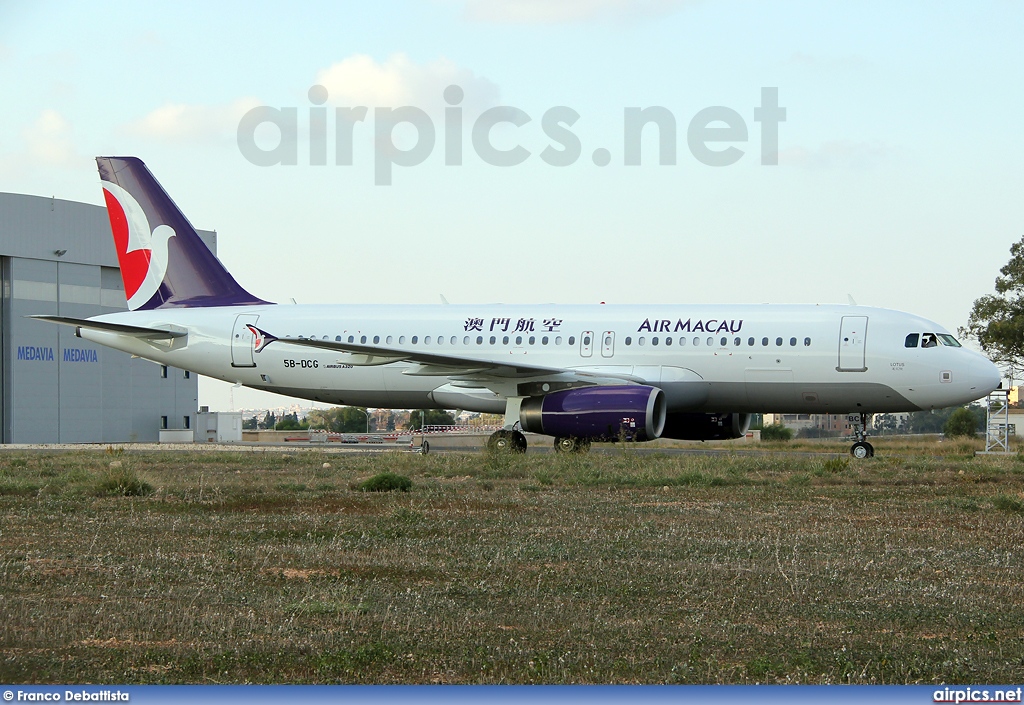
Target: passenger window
x=493, y=340
x=764, y=341
x=465, y=340
x=654, y=340
x=628, y=341
x=711, y=341
x=641, y=341
x=351, y=339
x=401, y=340
x=376, y=339
x=544, y=340
x=737, y=342
x=479, y=340
x=696, y=341
x=668, y=341
x=792, y=342
x=362, y=340
x=750, y=341
x=607, y=340
x=586, y=340
x=519, y=340
x=415, y=338
x=389, y=339
x=572, y=340
x=682, y=340
x=337, y=338
x=724, y=341
x=911, y=341
x=532, y=340
x=807, y=342
x=504, y=340
x=778, y=341
x=558, y=340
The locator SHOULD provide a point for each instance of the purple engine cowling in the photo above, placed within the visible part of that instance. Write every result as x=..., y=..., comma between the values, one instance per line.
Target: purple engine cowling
x=634, y=412
x=705, y=427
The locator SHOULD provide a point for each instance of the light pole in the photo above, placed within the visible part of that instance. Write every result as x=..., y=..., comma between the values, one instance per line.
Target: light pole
x=367, y=412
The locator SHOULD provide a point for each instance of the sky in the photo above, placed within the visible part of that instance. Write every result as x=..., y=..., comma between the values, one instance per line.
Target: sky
x=899, y=162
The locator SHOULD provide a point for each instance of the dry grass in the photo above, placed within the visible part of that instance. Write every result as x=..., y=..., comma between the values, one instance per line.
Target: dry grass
x=619, y=568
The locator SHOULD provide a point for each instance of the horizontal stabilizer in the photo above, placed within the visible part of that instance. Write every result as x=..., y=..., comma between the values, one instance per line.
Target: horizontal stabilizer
x=119, y=328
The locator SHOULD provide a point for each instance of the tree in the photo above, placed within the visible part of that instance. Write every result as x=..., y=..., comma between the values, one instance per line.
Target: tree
x=962, y=422
x=250, y=424
x=776, y=432
x=269, y=421
x=934, y=421
x=997, y=320
x=431, y=417
x=340, y=419
x=290, y=422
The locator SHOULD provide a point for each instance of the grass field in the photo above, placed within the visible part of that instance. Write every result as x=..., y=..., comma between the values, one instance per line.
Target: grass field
x=198, y=567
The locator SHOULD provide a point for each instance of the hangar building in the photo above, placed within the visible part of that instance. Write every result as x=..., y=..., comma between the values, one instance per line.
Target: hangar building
x=57, y=257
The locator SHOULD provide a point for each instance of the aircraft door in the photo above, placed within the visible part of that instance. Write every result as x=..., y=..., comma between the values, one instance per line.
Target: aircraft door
x=853, y=333
x=587, y=343
x=242, y=341
x=608, y=343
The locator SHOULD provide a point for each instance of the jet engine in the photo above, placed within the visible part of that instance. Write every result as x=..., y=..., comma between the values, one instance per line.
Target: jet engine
x=705, y=427
x=632, y=412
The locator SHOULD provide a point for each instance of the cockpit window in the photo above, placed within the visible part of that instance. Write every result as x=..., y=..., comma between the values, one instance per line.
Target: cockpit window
x=929, y=341
x=949, y=340
x=911, y=341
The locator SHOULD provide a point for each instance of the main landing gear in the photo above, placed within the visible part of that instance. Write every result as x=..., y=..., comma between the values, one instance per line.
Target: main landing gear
x=861, y=448
x=572, y=445
x=507, y=441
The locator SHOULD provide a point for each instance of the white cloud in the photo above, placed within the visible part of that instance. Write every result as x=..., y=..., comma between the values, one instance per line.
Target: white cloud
x=836, y=154
x=48, y=139
x=398, y=81
x=565, y=11
x=176, y=122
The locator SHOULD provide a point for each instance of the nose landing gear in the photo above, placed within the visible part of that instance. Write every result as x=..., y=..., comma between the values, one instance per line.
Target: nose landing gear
x=861, y=448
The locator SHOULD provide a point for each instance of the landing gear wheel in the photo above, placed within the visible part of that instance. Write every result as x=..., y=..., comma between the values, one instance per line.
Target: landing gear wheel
x=505, y=441
x=572, y=445
x=861, y=450
x=500, y=442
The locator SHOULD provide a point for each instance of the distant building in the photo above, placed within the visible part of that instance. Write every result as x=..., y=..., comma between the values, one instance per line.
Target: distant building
x=57, y=257
x=218, y=426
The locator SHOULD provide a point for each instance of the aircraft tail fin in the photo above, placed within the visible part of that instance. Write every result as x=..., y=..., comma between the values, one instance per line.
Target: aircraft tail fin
x=164, y=263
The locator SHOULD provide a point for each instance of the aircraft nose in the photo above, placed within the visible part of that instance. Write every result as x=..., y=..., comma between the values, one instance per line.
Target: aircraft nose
x=985, y=377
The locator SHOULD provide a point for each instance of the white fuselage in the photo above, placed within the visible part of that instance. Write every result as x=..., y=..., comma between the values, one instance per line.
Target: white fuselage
x=707, y=358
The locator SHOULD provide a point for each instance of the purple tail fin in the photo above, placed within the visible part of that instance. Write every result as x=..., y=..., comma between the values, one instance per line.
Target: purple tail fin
x=164, y=263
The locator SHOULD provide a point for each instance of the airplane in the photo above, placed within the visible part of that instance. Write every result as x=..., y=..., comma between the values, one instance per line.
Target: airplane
x=579, y=373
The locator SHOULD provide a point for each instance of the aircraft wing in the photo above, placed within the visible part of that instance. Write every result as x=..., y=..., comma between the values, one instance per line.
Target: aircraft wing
x=120, y=328
x=435, y=364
